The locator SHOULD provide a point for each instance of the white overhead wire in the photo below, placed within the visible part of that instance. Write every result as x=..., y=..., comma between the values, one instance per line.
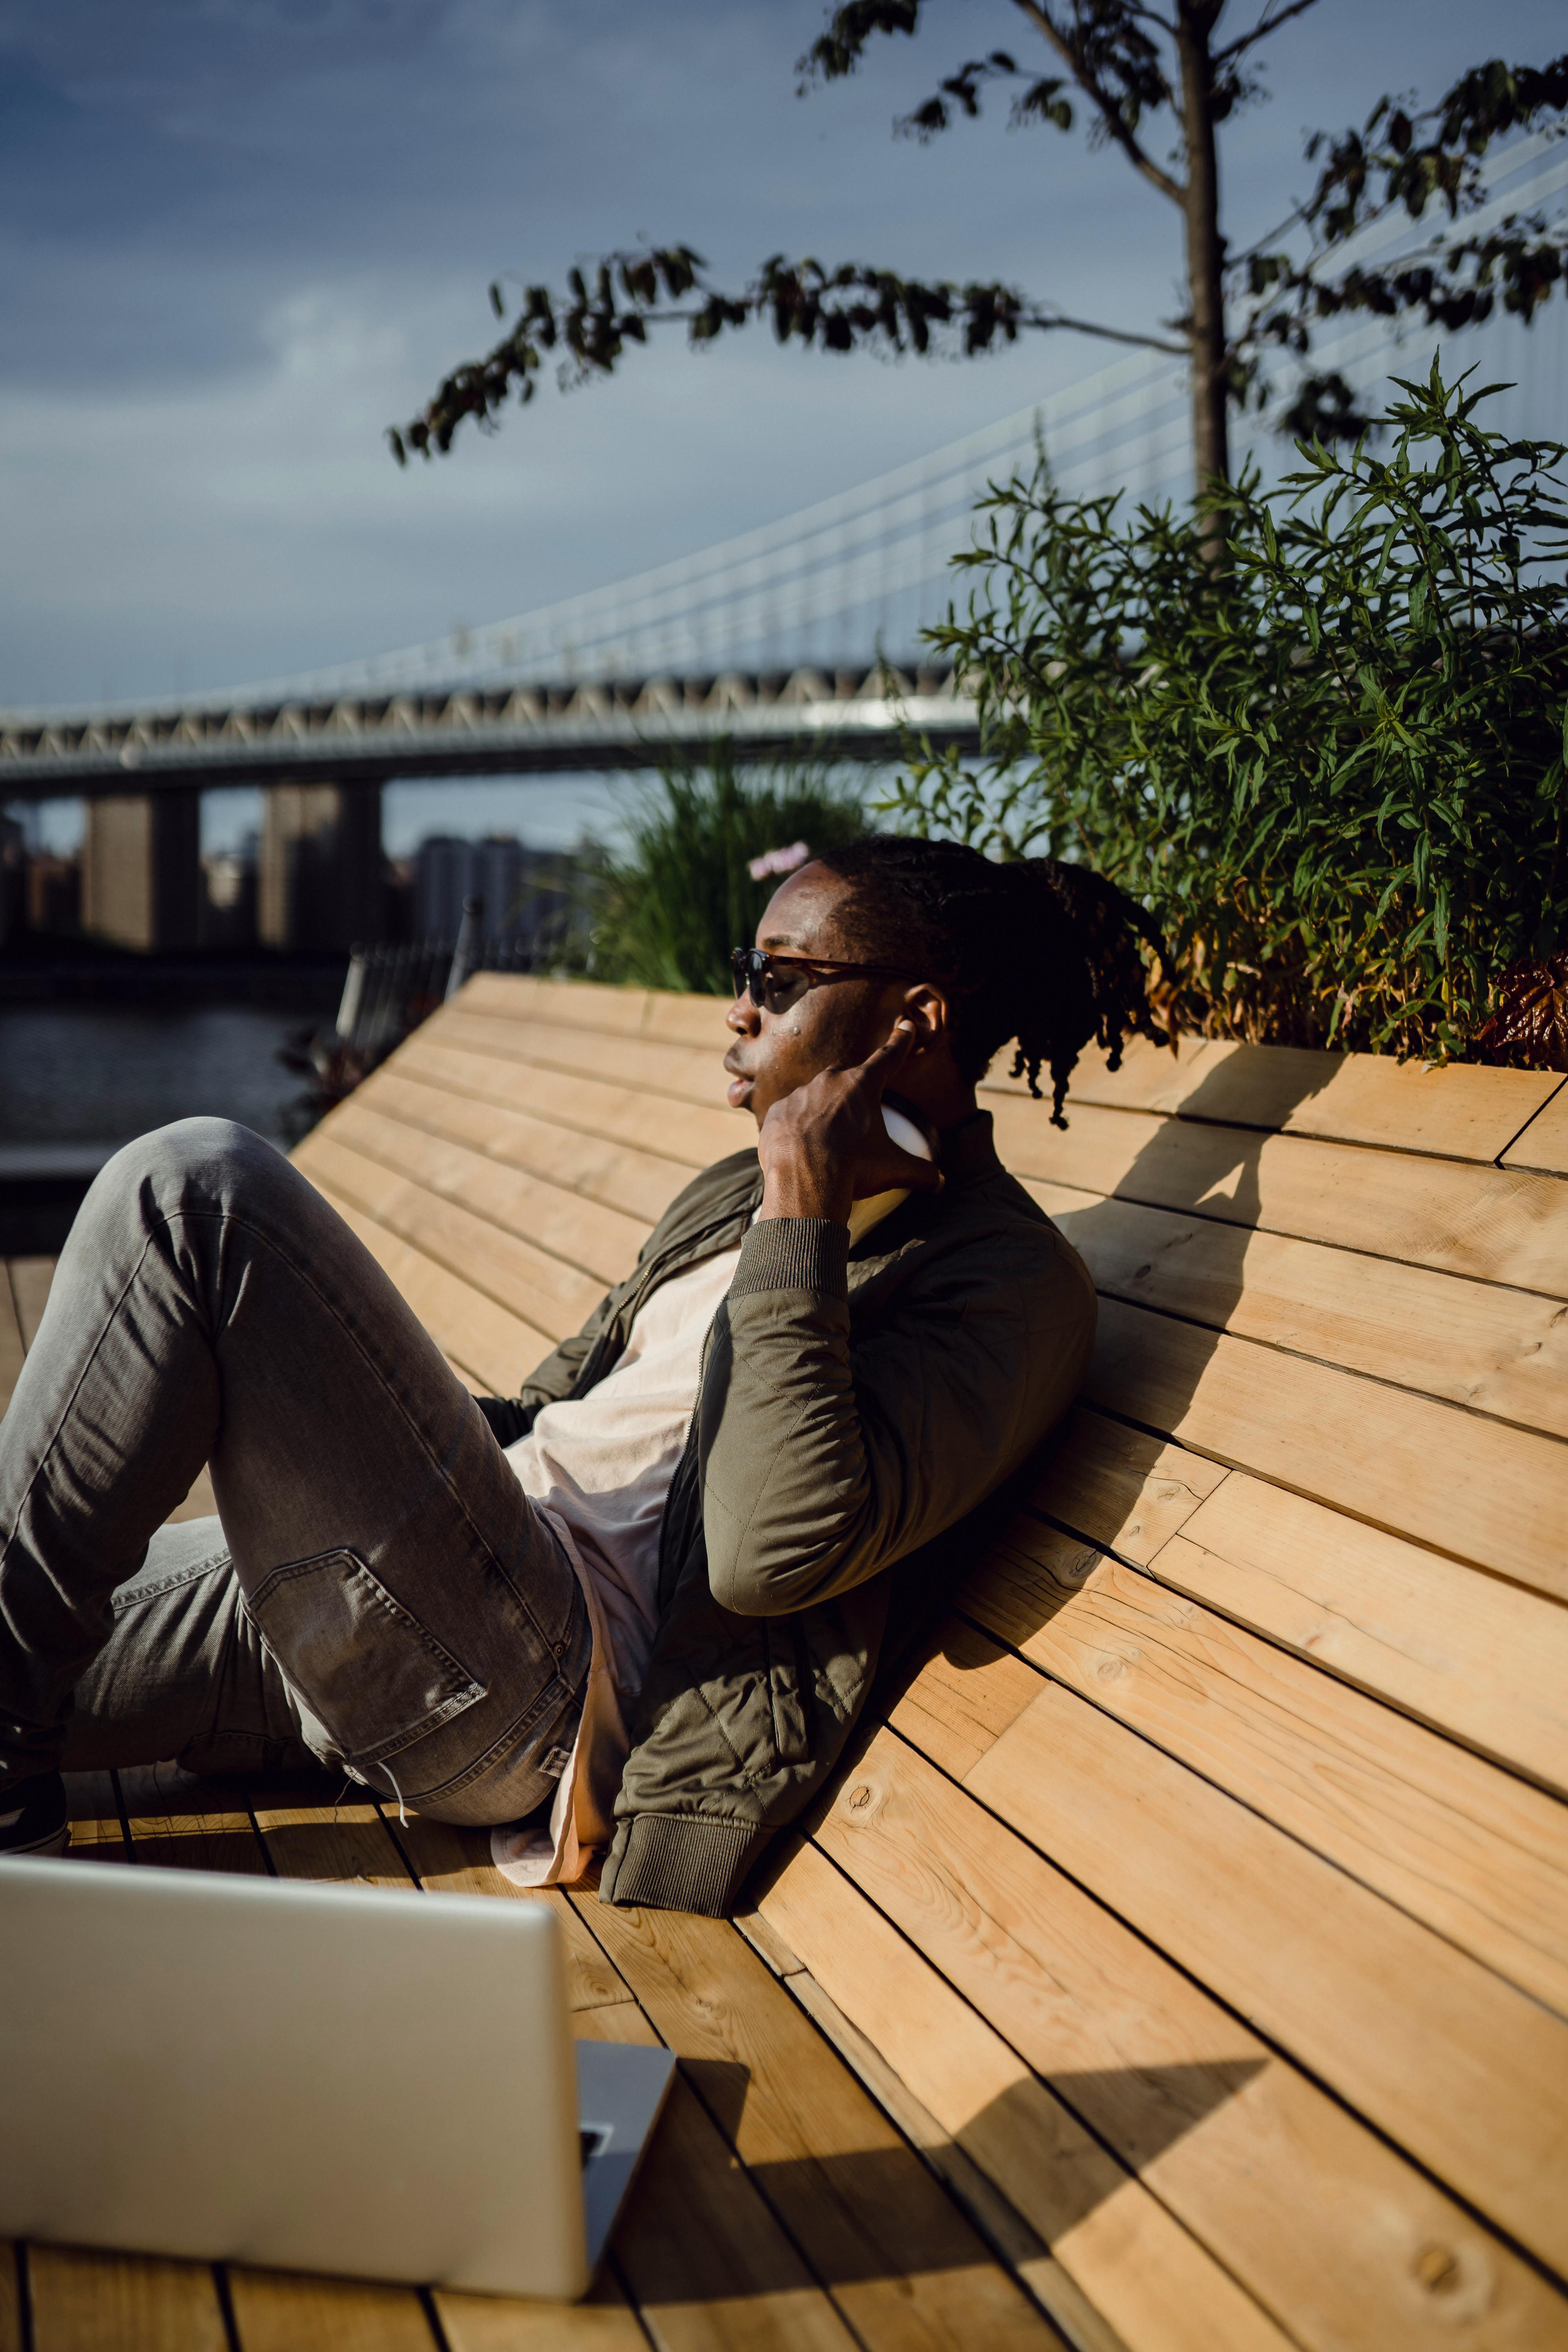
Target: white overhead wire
x=1127, y=426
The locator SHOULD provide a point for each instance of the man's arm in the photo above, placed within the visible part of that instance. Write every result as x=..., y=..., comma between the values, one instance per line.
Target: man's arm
x=816, y=1472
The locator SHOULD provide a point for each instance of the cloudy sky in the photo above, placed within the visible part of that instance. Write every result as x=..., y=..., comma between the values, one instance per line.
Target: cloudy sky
x=238, y=237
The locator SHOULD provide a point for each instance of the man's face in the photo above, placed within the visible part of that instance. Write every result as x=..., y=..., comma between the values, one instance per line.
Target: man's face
x=833, y=1026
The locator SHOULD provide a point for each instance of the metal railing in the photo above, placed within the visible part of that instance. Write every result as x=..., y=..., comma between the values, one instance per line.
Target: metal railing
x=389, y=991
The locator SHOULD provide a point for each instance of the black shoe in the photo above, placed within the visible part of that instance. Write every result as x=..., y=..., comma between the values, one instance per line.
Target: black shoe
x=33, y=1816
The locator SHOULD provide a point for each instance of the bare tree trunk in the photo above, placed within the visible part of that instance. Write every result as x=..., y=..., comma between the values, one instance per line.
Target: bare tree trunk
x=1195, y=21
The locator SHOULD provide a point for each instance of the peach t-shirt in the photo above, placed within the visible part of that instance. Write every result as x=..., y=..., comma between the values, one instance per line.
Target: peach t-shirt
x=599, y=1469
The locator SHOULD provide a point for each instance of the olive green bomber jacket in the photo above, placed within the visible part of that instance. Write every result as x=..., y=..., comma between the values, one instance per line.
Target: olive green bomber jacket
x=855, y=1404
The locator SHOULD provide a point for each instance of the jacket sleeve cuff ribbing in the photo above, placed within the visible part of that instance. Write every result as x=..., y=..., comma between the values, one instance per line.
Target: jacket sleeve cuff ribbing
x=674, y=1862
x=794, y=1254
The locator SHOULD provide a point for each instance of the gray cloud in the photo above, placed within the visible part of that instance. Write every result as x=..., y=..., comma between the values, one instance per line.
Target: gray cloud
x=242, y=236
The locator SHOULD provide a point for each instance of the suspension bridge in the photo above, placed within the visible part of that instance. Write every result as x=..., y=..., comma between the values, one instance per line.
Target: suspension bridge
x=804, y=633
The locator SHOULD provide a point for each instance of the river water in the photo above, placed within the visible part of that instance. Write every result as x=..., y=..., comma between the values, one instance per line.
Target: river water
x=82, y=1075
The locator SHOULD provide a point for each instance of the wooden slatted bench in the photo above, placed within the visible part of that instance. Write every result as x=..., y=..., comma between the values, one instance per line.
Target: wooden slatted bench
x=1180, y=1963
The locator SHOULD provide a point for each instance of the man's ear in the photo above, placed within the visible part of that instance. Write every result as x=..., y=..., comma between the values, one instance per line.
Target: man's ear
x=926, y=1009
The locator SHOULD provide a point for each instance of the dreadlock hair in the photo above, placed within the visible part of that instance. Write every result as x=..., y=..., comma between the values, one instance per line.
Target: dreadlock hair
x=1035, y=950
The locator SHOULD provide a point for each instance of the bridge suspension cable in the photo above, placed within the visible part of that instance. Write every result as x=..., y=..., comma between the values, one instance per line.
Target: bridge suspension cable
x=860, y=572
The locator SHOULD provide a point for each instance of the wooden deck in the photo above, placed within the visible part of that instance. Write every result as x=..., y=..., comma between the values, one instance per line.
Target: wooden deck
x=1183, y=1965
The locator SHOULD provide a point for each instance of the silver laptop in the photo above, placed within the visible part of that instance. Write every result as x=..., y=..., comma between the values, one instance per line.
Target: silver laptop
x=366, y=2081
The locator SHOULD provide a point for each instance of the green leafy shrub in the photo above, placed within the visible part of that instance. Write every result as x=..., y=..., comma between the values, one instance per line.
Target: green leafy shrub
x=1330, y=763
x=679, y=896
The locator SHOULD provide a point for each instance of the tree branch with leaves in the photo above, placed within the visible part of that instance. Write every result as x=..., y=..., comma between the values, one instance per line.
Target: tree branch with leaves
x=1133, y=70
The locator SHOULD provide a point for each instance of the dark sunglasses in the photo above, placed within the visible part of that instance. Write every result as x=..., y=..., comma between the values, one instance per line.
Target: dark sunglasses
x=774, y=982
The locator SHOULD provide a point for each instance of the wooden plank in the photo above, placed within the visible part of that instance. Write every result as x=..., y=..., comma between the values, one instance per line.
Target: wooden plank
x=616, y=2021
x=541, y=1290
x=707, y=2263
x=11, y=1348
x=1461, y=1110
x=1151, y=1078
x=685, y=1133
x=1468, y=1849
x=452, y=1861
x=687, y=1020
x=280, y=2311
x=1543, y=1145
x=1353, y=1989
x=346, y=1843
x=553, y=1218
x=903, y=2267
x=1326, y=2224
x=1478, y=1489
x=200, y=1503
x=31, y=1280
x=1126, y=1489
x=556, y=1216
x=602, y=2322
x=180, y=1822
x=671, y=1074
x=84, y=2301
x=1480, y=1660
x=500, y=1348
x=10, y=2299
x=998, y=2221
x=703, y=2256
x=551, y=1226
x=97, y=1834
x=1119, y=2245
x=1501, y=1353
x=1496, y=1224
x=1458, y=1112
x=1468, y=1220
x=682, y=1073
x=1003, y=2228
x=771, y=1948
x=455, y=1094
x=618, y=1012
x=962, y=1694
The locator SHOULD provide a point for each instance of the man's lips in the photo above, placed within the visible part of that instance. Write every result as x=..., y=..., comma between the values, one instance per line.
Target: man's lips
x=741, y=1081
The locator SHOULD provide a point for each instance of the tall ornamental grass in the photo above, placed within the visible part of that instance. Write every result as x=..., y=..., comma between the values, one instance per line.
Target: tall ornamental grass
x=673, y=901
x=1331, y=762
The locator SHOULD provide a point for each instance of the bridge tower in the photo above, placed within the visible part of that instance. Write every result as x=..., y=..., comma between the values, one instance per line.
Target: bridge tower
x=140, y=869
x=320, y=884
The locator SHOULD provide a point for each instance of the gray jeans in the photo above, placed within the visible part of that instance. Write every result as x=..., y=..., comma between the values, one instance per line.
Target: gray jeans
x=377, y=1593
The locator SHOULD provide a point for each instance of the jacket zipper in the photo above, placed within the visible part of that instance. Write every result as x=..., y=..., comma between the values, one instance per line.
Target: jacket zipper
x=690, y=1448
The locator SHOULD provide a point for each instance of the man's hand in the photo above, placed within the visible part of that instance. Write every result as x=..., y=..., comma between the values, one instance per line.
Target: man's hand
x=825, y=1147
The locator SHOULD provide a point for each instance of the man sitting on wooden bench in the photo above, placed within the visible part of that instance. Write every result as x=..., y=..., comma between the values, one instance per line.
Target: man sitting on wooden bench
x=641, y=1604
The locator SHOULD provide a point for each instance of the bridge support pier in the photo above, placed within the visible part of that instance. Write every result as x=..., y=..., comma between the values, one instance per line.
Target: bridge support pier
x=140, y=869
x=320, y=884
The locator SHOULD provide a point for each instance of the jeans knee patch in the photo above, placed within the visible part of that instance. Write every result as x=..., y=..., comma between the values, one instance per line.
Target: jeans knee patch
x=366, y=1669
